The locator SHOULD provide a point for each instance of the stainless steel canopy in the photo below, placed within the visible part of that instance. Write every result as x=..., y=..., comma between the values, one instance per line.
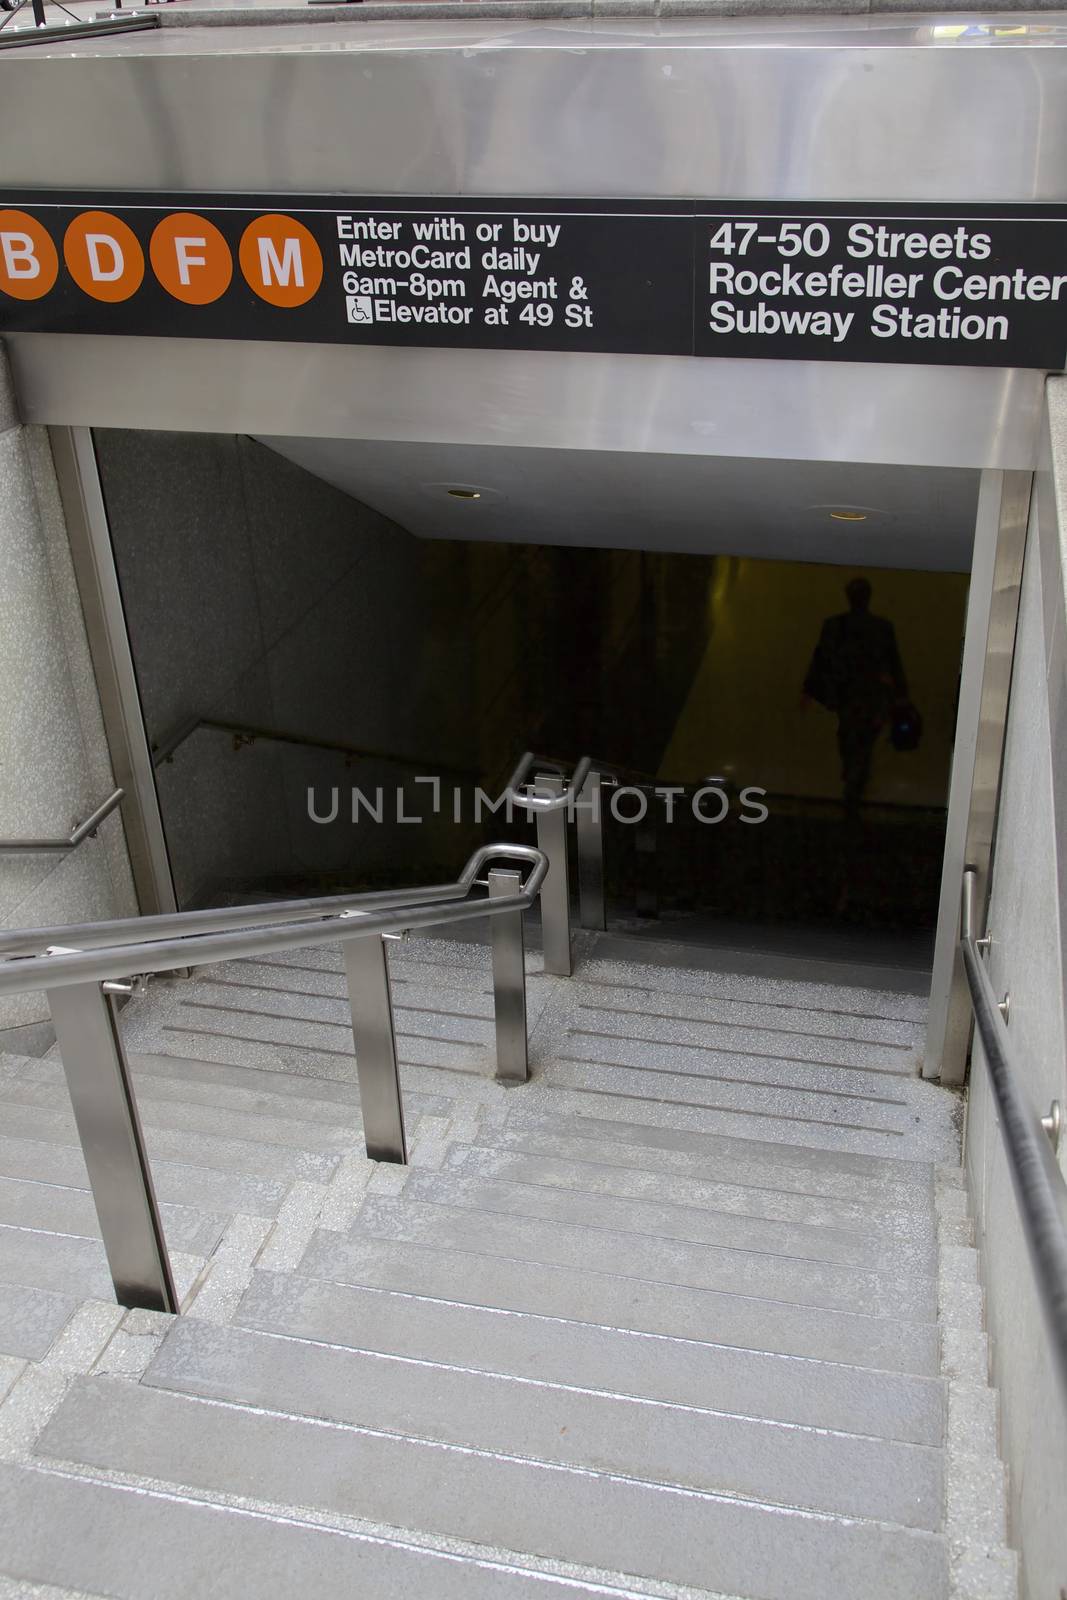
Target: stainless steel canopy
x=842, y=109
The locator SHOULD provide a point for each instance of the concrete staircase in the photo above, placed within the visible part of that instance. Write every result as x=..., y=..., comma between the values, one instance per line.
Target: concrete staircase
x=694, y=1313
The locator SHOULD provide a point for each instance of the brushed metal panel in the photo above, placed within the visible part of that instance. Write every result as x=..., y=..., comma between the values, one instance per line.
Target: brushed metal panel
x=856, y=110
x=798, y=410
x=580, y=107
x=120, y=702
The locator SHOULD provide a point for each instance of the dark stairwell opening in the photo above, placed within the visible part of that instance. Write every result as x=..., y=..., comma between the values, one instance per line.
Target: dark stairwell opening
x=296, y=640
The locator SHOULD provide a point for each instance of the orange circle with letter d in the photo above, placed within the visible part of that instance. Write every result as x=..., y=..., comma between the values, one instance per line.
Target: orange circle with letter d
x=103, y=256
x=280, y=260
x=190, y=258
x=29, y=261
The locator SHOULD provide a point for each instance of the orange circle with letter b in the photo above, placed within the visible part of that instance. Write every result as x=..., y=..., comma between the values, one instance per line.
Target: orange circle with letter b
x=29, y=261
x=280, y=260
x=191, y=258
x=103, y=256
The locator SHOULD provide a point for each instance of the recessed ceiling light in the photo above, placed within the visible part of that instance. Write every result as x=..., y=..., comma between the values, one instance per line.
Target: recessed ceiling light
x=851, y=511
x=465, y=493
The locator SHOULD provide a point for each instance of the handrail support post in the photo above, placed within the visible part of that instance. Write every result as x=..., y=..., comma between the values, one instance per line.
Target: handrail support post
x=509, y=981
x=646, y=845
x=374, y=1037
x=556, y=890
x=590, y=836
x=105, y=1111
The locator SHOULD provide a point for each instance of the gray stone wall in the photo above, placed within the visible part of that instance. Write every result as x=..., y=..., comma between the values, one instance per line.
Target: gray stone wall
x=54, y=764
x=1029, y=897
x=259, y=595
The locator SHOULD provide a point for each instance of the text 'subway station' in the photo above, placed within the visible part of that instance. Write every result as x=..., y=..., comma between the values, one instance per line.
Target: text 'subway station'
x=883, y=283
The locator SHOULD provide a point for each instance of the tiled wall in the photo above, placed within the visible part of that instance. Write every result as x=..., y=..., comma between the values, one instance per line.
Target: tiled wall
x=54, y=764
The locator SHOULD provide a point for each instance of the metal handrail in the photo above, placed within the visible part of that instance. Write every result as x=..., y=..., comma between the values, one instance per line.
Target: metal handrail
x=514, y=791
x=250, y=732
x=80, y=984
x=92, y=935
x=612, y=769
x=82, y=831
x=1040, y=1189
x=554, y=801
x=353, y=916
x=553, y=807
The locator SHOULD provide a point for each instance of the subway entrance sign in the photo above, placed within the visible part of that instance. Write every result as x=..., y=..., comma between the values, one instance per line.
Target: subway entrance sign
x=961, y=285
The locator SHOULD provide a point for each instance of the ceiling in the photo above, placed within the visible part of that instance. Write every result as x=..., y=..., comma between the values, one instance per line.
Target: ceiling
x=918, y=517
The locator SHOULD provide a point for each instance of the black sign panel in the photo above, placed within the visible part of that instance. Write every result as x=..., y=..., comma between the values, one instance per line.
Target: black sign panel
x=958, y=285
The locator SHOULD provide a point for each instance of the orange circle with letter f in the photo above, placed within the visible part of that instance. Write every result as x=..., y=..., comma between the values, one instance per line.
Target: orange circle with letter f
x=190, y=258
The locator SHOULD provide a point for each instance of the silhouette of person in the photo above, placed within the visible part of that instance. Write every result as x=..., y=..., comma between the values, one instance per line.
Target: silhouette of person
x=856, y=672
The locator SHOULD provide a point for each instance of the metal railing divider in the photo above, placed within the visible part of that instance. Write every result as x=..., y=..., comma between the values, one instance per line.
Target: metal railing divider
x=509, y=983
x=589, y=831
x=109, y=1129
x=374, y=1037
x=556, y=895
x=76, y=982
x=553, y=799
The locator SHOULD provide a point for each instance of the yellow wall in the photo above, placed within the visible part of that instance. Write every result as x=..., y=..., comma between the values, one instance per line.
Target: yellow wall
x=743, y=717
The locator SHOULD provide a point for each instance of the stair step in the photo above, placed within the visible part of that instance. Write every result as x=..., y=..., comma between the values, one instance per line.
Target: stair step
x=134, y=1543
x=316, y=1061
x=565, y=1163
x=200, y=1187
x=190, y=1116
x=775, y=1463
x=563, y=1243
x=744, y=1070
x=580, y=1294
x=294, y=975
x=526, y=1193
x=30, y=1319
x=241, y=999
x=329, y=1039
x=658, y=1533
x=203, y=1083
x=918, y=1138
x=452, y=988
x=672, y=978
x=416, y=990
x=245, y=1088
x=736, y=1010
x=416, y=963
x=649, y=1366
x=278, y=1162
x=51, y=1209
x=884, y=1180
x=740, y=1047
x=866, y=1121
x=55, y=1262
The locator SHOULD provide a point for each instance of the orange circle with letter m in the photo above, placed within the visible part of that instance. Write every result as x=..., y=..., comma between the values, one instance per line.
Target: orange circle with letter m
x=280, y=260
